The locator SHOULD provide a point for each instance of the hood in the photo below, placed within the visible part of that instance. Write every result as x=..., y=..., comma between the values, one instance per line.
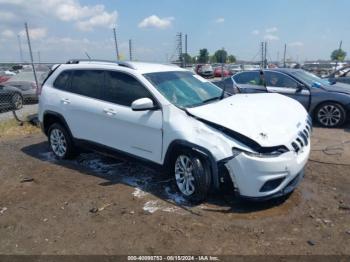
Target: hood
x=268, y=119
x=339, y=88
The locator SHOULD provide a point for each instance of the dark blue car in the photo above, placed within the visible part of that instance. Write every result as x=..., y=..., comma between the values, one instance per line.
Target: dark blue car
x=327, y=102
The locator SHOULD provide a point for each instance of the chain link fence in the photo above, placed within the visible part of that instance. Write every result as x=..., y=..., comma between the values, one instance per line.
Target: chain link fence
x=19, y=91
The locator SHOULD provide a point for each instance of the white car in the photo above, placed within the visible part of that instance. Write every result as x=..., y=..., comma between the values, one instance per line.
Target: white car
x=257, y=143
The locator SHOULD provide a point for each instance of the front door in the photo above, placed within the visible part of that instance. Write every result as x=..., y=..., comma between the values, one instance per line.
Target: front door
x=135, y=132
x=277, y=82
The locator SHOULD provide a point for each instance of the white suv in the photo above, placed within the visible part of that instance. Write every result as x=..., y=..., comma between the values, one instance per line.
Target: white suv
x=257, y=143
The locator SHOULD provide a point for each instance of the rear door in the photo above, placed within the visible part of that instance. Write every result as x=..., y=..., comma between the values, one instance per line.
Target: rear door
x=281, y=83
x=82, y=106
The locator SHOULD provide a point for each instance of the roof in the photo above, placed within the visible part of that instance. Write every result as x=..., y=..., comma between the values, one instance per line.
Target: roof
x=141, y=67
x=144, y=67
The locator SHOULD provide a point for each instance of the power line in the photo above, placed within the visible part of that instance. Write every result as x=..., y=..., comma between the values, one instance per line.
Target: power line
x=20, y=48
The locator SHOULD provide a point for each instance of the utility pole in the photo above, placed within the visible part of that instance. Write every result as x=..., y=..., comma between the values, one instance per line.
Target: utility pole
x=130, y=50
x=262, y=54
x=179, y=48
x=39, y=57
x=185, y=49
x=265, y=59
x=31, y=54
x=20, y=48
x=116, y=43
x=336, y=62
x=284, y=55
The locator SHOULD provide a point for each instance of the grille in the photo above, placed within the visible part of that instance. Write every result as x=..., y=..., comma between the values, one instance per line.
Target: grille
x=303, y=138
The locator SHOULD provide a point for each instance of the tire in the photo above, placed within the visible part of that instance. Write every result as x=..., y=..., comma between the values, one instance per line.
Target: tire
x=61, y=142
x=194, y=182
x=17, y=101
x=330, y=114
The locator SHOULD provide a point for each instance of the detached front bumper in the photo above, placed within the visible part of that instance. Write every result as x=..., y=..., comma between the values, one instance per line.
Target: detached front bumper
x=262, y=178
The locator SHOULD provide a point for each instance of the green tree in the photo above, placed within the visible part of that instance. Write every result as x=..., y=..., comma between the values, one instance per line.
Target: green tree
x=203, y=56
x=187, y=58
x=231, y=59
x=220, y=56
x=338, y=55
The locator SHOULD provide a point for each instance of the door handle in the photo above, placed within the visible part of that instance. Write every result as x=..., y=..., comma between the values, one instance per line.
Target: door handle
x=109, y=111
x=65, y=101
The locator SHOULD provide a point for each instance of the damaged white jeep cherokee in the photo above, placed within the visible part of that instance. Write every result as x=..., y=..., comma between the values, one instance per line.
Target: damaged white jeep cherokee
x=257, y=143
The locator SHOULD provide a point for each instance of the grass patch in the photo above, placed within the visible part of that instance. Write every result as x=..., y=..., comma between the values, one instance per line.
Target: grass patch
x=12, y=128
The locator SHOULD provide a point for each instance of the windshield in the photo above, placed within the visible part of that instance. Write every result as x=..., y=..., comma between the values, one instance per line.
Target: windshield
x=309, y=78
x=184, y=89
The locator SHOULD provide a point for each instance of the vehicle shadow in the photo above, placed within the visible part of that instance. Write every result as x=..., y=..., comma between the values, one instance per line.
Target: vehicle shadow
x=148, y=179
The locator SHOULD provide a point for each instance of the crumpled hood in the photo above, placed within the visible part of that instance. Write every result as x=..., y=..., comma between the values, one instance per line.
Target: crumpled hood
x=339, y=88
x=268, y=119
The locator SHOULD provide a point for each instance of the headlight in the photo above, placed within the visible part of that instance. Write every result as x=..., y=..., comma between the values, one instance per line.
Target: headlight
x=268, y=152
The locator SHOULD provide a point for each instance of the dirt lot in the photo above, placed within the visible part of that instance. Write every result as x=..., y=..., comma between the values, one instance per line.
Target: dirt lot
x=98, y=205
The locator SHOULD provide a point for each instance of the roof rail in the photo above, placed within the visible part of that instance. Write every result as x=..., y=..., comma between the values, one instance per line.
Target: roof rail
x=120, y=63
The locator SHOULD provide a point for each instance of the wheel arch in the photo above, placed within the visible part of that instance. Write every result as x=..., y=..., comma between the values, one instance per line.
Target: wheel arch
x=50, y=118
x=179, y=144
x=314, y=110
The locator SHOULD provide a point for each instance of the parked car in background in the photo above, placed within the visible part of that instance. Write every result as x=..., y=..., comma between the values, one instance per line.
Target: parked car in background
x=342, y=75
x=205, y=70
x=10, y=98
x=234, y=68
x=327, y=103
x=219, y=71
x=319, y=69
x=248, y=67
x=4, y=77
x=26, y=83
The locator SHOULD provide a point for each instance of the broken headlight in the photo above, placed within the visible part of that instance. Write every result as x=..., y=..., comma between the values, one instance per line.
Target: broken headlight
x=266, y=152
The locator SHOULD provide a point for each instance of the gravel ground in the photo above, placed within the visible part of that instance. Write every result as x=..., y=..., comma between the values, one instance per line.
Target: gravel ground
x=98, y=205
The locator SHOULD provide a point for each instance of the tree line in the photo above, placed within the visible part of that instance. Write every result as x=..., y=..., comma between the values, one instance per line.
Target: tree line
x=220, y=56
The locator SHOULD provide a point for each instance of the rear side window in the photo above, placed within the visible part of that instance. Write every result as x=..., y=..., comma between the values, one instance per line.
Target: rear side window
x=62, y=80
x=251, y=78
x=87, y=83
x=123, y=89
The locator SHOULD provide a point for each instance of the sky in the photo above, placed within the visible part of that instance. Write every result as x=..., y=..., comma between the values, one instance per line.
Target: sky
x=65, y=29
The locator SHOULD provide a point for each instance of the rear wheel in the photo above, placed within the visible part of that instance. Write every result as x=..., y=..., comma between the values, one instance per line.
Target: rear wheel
x=60, y=142
x=192, y=175
x=330, y=114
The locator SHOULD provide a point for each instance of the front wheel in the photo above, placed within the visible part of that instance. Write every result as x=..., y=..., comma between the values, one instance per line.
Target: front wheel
x=192, y=175
x=330, y=114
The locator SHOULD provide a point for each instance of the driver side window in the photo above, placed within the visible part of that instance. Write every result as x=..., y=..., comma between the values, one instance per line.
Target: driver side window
x=275, y=79
x=123, y=89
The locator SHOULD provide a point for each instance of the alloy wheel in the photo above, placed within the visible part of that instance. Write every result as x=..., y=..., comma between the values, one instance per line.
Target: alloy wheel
x=17, y=101
x=329, y=115
x=183, y=175
x=58, y=142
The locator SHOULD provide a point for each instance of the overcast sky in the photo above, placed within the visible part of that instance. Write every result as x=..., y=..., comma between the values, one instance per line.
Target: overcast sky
x=63, y=29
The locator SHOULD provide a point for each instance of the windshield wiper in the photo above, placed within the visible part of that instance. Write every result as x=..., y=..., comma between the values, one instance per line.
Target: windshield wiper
x=211, y=99
x=205, y=101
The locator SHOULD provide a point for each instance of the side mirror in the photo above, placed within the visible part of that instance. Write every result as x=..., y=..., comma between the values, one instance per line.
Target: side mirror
x=143, y=104
x=332, y=81
x=299, y=88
